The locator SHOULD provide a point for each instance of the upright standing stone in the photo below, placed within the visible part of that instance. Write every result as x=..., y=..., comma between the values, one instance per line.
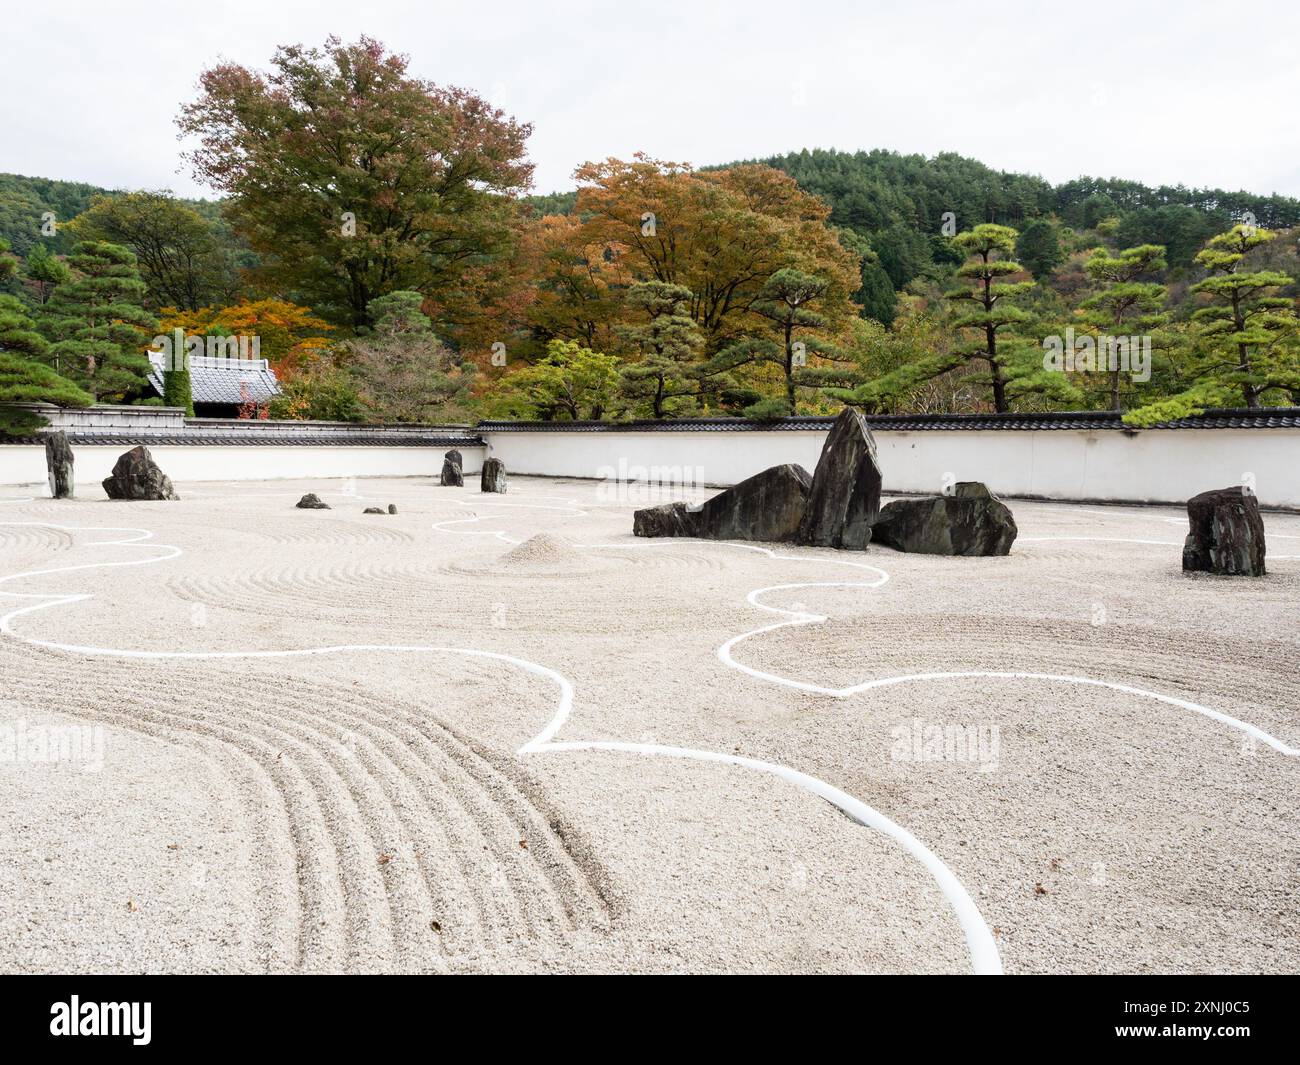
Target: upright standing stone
x=493, y=478
x=59, y=461
x=136, y=476
x=451, y=469
x=1226, y=535
x=845, y=495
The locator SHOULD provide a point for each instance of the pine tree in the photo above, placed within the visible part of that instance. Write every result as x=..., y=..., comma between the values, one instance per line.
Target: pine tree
x=23, y=377
x=1126, y=306
x=97, y=324
x=785, y=300
x=669, y=343
x=1245, y=346
x=1008, y=363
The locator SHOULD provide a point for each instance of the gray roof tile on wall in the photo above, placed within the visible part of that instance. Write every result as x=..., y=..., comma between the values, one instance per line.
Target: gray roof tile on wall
x=1260, y=418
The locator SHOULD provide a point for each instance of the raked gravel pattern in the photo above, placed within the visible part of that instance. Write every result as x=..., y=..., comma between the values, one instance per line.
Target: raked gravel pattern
x=418, y=811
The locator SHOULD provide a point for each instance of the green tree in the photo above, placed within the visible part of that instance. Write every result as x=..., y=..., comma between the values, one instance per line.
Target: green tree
x=404, y=373
x=24, y=378
x=669, y=344
x=786, y=301
x=354, y=179
x=45, y=272
x=1245, y=345
x=1000, y=359
x=179, y=256
x=1039, y=248
x=1126, y=306
x=570, y=383
x=96, y=323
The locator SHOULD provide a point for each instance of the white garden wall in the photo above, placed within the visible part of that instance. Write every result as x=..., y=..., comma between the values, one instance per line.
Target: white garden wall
x=25, y=465
x=1152, y=466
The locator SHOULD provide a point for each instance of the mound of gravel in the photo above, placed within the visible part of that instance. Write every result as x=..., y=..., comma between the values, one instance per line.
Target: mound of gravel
x=542, y=552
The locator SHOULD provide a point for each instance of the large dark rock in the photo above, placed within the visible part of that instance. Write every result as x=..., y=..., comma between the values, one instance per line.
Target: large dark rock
x=451, y=470
x=1227, y=534
x=311, y=501
x=59, y=461
x=845, y=496
x=374, y=510
x=971, y=521
x=136, y=476
x=767, y=506
x=493, y=478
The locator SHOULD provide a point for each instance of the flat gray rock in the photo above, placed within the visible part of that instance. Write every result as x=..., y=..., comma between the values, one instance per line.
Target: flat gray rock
x=971, y=521
x=136, y=476
x=1226, y=535
x=768, y=506
x=845, y=497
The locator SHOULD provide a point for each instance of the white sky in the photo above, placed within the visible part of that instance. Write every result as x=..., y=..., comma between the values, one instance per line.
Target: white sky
x=1198, y=93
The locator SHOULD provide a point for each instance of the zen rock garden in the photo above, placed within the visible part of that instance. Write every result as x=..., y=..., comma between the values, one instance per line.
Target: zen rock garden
x=839, y=506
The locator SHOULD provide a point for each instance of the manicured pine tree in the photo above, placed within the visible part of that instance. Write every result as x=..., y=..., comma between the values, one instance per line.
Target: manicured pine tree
x=1126, y=306
x=669, y=343
x=1007, y=362
x=97, y=324
x=24, y=377
x=1246, y=320
x=1246, y=344
x=785, y=300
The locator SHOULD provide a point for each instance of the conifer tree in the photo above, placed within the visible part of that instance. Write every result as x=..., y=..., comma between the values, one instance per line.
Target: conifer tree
x=669, y=343
x=1007, y=362
x=97, y=324
x=24, y=378
x=1127, y=306
x=785, y=300
x=1245, y=345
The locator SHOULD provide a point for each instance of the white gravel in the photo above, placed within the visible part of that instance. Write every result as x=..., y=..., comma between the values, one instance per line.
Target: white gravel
x=369, y=810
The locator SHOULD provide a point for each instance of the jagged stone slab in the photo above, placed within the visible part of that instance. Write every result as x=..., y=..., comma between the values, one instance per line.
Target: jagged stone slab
x=970, y=521
x=768, y=506
x=136, y=476
x=311, y=501
x=374, y=510
x=451, y=470
x=667, y=519
x=845, y=497
x=1226, y=535
x=493, y=477
x=59, y=461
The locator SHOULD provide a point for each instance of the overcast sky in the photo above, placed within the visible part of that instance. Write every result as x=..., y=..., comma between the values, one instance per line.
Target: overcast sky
x=1199, y=93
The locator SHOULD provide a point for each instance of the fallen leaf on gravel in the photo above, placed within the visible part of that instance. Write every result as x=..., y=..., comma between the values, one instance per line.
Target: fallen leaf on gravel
x=131, y=906
x=384, y=859
x=435, y=926
x=1039, y=889
x=523, y=843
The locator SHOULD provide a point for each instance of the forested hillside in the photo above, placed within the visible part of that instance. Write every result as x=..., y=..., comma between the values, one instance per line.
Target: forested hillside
x=388, y=257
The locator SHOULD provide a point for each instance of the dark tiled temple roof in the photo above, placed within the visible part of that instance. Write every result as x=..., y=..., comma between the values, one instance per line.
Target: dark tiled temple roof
x=216, y=380
x=234, y=432
x=1259, y=418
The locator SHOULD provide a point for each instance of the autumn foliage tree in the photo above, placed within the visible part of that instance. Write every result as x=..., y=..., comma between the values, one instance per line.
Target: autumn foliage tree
x=352, y=178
